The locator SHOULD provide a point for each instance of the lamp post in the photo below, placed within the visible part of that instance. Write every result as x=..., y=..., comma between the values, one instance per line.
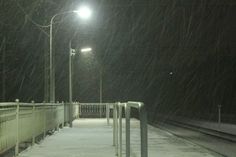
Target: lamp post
x=71, y=53
x=51, y=59
x=100, y=93
x=84, y=13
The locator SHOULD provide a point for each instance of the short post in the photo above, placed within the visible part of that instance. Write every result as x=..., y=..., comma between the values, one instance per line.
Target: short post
x=116, y=129
x=127, y=129
x=143, y=130
x=100, y=110
x=113, y=124
x=219, y=114
x=70, y=114
x=17, y=127
x=34, y=123
x=78, y=110
x=44, y=120
x=120, y=129
x=108, y=114
x=58, y=122
x=63, y=114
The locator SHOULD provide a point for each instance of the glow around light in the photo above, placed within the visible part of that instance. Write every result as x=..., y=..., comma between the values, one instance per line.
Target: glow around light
x=84, y=12
x=88, y=49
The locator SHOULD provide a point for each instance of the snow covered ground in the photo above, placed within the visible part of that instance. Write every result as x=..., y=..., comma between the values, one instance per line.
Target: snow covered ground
x=93, y=138
x=222, y=146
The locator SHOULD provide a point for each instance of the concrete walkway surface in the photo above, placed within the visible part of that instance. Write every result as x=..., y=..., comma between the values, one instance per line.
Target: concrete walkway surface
x=93, y=138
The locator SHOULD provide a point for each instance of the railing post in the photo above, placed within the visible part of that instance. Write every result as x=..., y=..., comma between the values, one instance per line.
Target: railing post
x=79, y=110
x=44, y=120
x=143, y=130
x=108, y=113
x=116, y=129
x=70, y=114
x=17, y=127
x=63, y=114
x=127, y=129
x=100, y=110
x=34, y=122
x=120, y=129
x=219, y=115
x=113, y=124
x=57, y=111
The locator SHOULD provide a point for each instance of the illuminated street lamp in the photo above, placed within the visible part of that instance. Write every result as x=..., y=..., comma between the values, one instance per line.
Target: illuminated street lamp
x=71, y=54
x=84, y=13
x=86, y=49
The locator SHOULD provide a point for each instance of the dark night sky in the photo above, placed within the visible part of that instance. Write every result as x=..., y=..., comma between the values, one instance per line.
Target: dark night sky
x=177, y=56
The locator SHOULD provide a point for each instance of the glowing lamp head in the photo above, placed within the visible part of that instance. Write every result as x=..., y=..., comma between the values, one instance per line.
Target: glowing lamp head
x=84, y=12
x=88, y=49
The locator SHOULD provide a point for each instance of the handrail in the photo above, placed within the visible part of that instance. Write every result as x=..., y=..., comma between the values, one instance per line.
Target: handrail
x=117, y=138
x=94, y=110
x=65, y=113
x=96, y=103
x=118, y=109
x=16, y=117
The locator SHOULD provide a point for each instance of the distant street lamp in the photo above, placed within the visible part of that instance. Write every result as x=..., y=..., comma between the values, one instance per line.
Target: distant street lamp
x=72, y=53
x=86, y=50
x=84, y=13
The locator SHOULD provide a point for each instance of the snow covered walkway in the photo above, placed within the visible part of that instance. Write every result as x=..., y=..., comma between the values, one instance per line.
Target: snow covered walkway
x=93, y=138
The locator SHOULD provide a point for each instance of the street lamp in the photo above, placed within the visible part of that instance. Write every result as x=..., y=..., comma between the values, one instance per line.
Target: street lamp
x=84, y=13
x=72, y=53
x=86, y=50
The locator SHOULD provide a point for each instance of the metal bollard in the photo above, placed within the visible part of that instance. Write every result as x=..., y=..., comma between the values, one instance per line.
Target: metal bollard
x=219, y=115
x=143, y=130
x=44, y=120
x=120, y=129
x=78, y=110
x=113, y=124
x=70, y=114
x=127, y=129
x=108, y=114
x=17, y=127
x=116, y=129
x=58, y=123
x=34, y=122
x=63, y=122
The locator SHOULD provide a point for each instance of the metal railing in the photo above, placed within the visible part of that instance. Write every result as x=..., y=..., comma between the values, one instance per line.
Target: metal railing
x=93, y=110
x=117, y=125
x=120, y=109
x=23, y=122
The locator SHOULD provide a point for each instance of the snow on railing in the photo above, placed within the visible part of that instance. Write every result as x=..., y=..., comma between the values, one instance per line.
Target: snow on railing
x=117, y=125
x=21, y=122
x=120, y=109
